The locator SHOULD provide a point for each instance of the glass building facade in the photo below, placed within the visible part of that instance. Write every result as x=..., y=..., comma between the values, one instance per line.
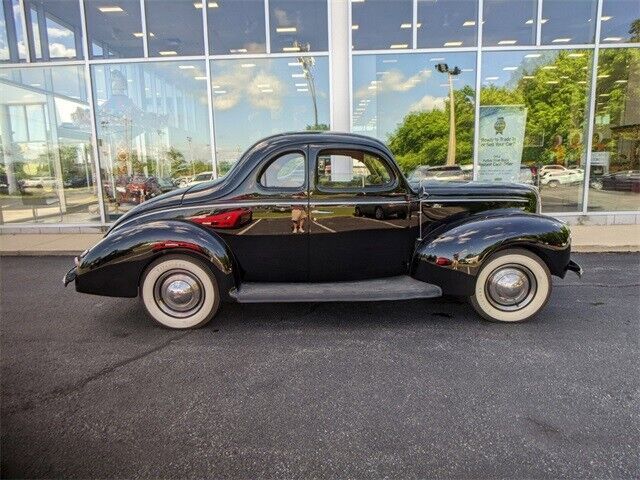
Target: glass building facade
x=107, y=103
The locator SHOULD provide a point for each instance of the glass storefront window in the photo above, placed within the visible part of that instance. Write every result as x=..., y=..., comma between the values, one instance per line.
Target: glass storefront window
x=255, y=98
x=382, y=24
x=166, y=36
x=509, y=22
x=114, y=28
x=237, y=27
x=533, y=108
x=47, y=173
x=298, y=26
x=447, y=23
x=13, y=47
x=615, y=157
x=55, y=31
x=620, y=21
x=405, y=99
x=152, y=124
x=568, y=21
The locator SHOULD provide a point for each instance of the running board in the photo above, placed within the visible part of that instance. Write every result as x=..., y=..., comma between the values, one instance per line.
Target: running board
x=402, y=287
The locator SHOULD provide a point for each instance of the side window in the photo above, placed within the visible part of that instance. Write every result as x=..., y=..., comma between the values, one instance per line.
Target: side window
x=340, y=169
x=286, y=171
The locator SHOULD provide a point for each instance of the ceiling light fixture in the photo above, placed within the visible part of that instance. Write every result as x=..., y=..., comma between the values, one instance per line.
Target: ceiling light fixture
x=612, y=39
x=290, y=49
x=606, y=18
x=248, y=65
x=396, y=46
x=507, y=42
x=469, y=23
x=355, y=27
x=110, y=9
x=560, y=40
x=286, y=29
x=186, y=67
x=452, y=44
x=166, y=53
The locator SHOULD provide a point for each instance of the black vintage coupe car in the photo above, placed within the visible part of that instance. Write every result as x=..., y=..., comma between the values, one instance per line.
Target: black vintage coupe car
x=484, y=241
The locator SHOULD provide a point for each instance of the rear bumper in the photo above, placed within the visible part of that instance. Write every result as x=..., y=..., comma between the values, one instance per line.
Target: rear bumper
x=574, y=267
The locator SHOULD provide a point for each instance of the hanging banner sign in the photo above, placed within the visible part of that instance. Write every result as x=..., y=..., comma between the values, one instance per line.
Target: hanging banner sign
x=501, y=141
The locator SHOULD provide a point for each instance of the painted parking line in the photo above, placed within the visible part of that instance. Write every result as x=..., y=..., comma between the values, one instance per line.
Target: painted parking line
x=245, y=230
x=326, y=228
x=381, y=221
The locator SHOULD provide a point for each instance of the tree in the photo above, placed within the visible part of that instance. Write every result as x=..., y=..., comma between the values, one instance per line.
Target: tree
x=422, y=137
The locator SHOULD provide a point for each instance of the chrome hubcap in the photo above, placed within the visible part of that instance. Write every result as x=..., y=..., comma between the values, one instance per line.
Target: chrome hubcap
x=511, y=287
x=179, y=293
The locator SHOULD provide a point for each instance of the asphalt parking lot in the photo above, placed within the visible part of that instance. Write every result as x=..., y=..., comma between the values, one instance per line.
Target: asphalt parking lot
x=91, y=388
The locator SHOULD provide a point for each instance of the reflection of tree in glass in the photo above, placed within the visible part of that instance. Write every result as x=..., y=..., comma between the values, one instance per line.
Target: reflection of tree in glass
x=423, y=137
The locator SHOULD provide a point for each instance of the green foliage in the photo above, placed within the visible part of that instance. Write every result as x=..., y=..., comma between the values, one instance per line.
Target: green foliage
x=320, y=127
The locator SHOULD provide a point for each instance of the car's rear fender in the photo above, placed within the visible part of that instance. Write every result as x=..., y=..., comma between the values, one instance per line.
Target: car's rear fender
x=453, y=255
x=115, y=265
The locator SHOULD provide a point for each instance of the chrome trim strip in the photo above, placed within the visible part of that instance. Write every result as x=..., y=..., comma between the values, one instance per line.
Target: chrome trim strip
x=432, y=199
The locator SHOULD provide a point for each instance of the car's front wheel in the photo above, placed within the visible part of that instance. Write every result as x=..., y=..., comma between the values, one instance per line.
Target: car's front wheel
x=512, y=286
x=180, y=292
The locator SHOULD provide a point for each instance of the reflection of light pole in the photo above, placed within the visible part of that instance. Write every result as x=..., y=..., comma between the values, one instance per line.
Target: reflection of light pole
x=193, y=170
x=307, y=64
x=451, y=152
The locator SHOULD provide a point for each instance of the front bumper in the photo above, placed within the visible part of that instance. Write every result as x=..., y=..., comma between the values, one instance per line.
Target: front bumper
x=69, y=277
x=574, y=267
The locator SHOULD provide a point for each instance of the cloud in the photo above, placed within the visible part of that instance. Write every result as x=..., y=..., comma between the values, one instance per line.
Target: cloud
x=428, y=103
x=282, y=17
x=262, y=89
x=54, y=32
x=58, y=50
x=395, y=81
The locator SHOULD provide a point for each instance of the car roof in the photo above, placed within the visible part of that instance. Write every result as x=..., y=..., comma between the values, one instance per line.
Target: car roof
x=322, y=137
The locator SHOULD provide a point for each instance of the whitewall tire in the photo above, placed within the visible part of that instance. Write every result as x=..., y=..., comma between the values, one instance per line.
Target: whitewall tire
x=180, y=292
x=512, y=286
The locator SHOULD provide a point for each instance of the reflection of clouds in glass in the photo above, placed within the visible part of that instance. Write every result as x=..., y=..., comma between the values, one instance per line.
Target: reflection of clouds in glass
x=54, y=32
x=57, y=50
x=394, y=81
x=263, y=90
x=282, y=18
x=428, y=102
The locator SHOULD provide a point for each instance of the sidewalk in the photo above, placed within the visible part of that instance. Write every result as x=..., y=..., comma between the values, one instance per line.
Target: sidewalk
x=591, y=238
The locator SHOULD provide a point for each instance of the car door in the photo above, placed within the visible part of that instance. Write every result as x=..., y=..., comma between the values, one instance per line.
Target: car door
x=358, y=215
x=266, y=228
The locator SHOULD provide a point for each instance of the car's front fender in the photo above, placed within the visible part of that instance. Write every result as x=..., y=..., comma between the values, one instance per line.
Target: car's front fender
x=452, y=255
x=114, y=266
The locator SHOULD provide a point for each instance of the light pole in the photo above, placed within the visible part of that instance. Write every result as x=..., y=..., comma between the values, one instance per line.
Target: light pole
x=307, y=64
x=451, y=152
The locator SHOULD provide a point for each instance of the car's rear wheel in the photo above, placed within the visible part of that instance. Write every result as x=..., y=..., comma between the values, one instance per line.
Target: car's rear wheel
x=553, y=183
x=379, y=213
x=180, y=292
x=357, y=212
x=512, y=286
